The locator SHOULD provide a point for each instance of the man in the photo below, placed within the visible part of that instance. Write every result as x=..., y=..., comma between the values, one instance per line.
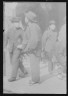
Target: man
x=60, y=50
x=32, y=42
x=14, y=37
x=48, y=41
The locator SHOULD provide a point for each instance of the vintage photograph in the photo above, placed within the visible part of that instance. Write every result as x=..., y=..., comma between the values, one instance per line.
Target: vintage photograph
x=34, y=48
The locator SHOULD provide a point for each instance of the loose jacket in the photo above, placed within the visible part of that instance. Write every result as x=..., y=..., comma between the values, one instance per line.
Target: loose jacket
x=11, y=37
x=32, y=36
x=48, y=40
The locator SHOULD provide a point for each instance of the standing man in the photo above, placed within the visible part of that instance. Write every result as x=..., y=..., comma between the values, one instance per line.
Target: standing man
x=48, y=41
x=14, y=37
x=33, y=46
x=60, y=50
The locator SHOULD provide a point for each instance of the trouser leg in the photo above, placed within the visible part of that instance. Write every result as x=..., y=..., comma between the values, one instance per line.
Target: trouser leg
x=11, y=54
x=23, y=71
x=50, y=63
x=50, y=67
x=35, y=68
x=15, y=63
x=22, y=68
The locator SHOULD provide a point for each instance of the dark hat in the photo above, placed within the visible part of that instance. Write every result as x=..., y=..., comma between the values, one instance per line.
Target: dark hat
x=15, y=19
x=31, y=16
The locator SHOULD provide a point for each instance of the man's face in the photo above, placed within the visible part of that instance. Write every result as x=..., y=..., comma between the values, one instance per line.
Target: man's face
x=52, y=26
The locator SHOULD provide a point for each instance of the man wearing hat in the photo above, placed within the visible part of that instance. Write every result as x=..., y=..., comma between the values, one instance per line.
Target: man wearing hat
x=33, y=36
x=48, y=41
x=60, y=50
x=14, y=37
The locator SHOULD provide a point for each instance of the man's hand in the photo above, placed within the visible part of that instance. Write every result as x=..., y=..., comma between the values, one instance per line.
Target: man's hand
x=22, y=46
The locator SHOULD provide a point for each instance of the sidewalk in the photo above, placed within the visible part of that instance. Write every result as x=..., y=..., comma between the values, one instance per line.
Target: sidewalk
x=49, y=84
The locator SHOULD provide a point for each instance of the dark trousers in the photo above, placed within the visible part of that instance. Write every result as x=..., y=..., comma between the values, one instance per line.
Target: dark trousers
x=16, y=63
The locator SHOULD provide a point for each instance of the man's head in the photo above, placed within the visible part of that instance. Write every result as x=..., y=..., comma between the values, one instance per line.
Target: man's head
x=30, y=16
x=17, y=22
x=52, y=25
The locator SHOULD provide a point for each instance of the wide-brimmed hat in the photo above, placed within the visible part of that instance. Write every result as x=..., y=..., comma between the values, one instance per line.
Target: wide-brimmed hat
x=31, y=16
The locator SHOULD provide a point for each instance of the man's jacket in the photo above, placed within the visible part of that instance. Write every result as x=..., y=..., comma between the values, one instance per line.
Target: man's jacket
x=48, y=40
x=11, y=37
x=32, y=36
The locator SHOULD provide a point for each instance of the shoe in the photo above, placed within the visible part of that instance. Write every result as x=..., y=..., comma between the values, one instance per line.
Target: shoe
x=22, y=75
x=25, y=72
x=31, y=82
x=12, y=79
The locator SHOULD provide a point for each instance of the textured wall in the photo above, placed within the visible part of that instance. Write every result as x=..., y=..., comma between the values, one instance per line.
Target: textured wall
x=9, y=11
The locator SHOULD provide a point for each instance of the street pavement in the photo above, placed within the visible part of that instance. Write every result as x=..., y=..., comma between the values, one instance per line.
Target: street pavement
x=50, y=84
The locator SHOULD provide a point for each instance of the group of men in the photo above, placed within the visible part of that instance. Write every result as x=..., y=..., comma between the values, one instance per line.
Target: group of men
x=30, y=40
